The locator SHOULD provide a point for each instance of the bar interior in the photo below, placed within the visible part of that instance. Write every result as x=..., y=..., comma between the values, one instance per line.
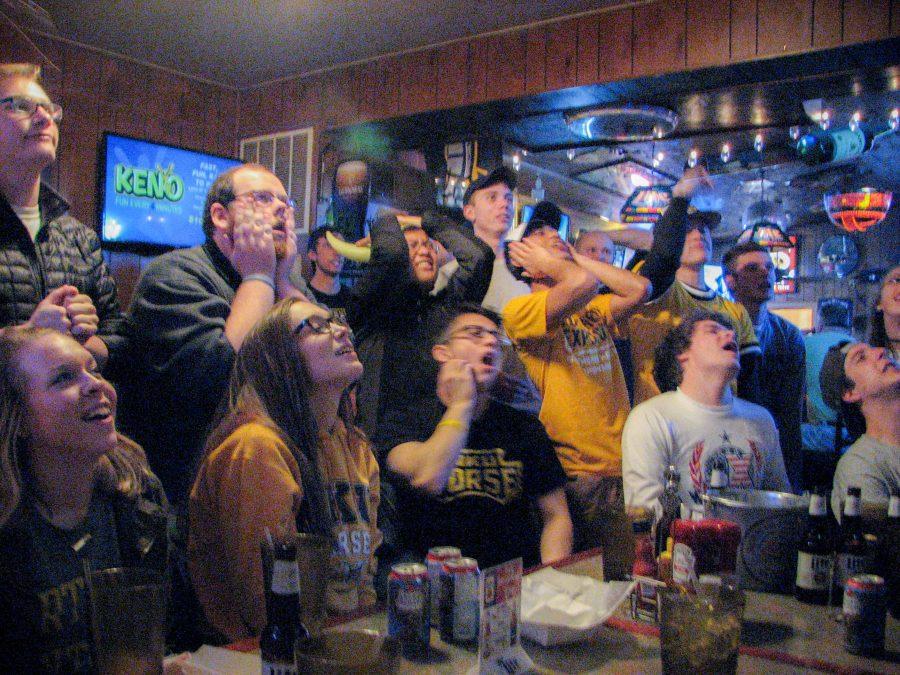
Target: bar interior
x=354, y=337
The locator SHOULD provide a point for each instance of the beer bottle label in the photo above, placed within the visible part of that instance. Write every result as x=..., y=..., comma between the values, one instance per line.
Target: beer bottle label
x=813, y=571
x=684, y=566
x=848, y=143
x=285, y=577
x=275, y=668
x=849, y=565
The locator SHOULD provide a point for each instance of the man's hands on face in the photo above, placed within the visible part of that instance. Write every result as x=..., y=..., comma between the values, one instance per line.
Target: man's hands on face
x=285, y=263
x=252, y=249
x=691, y=180
x=532, y=257
x=456, y=383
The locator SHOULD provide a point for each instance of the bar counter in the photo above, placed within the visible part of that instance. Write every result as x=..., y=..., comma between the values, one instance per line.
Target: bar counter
x=779, y=635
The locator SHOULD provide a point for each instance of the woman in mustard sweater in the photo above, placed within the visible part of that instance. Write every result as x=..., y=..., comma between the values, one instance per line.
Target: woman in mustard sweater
x=286, y=457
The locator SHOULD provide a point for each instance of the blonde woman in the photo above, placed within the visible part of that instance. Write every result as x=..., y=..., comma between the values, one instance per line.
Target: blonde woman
x=287, y=457
x=72, y=491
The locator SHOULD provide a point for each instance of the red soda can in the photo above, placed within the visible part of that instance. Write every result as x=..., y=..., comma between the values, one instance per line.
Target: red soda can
x=437, y=556
x=460, y=603
x=865, y=609
x=409, y=617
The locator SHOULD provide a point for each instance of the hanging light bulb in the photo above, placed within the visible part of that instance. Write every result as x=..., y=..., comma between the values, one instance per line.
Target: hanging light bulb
x=725, y=153
x=758, y=143
x=516, y=161
x=570, y=154
x=692, y=158
x=524, y=152
x=794, y=132
x=855, y=120
x=825, y=120
x=894, y=119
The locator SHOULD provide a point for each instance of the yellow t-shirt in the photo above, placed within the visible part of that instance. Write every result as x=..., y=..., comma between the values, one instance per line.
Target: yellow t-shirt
x=649, y=324
x=252, y=481
x=578, y=374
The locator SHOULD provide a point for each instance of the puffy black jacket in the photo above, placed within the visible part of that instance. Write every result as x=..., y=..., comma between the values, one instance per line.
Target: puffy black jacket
x=66, y=252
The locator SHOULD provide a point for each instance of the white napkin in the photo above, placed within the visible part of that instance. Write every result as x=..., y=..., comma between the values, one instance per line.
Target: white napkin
x=212, y=661
x=559, y=608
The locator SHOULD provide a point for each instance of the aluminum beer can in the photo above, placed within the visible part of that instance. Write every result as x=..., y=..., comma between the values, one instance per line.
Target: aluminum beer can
x=435, y=559
x=409, y=617
x=865, y=607
x=459, y=601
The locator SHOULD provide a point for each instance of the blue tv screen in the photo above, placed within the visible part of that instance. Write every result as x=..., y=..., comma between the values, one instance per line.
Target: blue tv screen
x=152, y=195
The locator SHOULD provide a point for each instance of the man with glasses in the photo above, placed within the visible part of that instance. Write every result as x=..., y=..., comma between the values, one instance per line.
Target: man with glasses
x=563, y=331
x=52, y=273
x=191, y=311
x=466, y=467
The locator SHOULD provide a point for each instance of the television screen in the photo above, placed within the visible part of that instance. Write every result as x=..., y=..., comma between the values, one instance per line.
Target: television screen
x=152, y=195
x=714, y=275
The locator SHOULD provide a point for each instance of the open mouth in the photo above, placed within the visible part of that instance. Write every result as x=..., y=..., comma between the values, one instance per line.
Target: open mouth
x=345, y=350
x=99, y=414
x=731, y=347
x=489, y=359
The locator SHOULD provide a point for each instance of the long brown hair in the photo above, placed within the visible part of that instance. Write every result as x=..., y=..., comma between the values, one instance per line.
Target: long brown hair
x=270, y=383
x=124, y=470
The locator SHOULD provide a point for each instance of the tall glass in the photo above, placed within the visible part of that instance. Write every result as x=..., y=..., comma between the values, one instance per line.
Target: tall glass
x=128, y=620
x=314, y=564
x=700, y=633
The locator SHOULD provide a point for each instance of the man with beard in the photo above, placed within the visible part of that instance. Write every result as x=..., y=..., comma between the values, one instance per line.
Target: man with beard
x=191, y=311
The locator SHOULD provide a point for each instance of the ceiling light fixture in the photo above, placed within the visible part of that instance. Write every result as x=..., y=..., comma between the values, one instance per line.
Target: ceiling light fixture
x=623, y=123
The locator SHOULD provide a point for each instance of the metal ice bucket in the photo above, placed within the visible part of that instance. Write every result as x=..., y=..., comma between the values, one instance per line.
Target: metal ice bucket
x=772, y=527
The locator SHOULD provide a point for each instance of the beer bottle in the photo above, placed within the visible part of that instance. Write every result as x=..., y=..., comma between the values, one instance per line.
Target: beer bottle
x=815, y=555
x=283, y=627
x=851, y=548
x=891, y=557
x=821, y=147
x=671, y=509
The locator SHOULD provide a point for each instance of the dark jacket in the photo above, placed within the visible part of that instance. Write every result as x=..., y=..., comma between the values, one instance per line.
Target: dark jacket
x=65, y=252
x=141, y=533
x=388, y=307
x=181, y=359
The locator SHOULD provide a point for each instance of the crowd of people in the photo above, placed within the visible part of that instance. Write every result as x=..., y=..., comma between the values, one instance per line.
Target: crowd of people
x=484, y=404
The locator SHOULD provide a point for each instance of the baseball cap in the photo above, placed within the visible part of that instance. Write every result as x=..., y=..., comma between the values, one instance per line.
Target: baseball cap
x=832, y=376
x=499, y=175
x=708, y=219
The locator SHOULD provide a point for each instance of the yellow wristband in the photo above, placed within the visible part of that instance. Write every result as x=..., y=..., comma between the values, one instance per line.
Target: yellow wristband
x=456, y=424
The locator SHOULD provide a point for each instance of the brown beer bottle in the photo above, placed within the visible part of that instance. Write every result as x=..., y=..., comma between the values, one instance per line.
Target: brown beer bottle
x=851, y=548
x=283, y=626
x=815, y=555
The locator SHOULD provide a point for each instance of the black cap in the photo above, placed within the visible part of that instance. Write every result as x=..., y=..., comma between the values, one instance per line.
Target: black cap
x=548, y=212
x=499, y=175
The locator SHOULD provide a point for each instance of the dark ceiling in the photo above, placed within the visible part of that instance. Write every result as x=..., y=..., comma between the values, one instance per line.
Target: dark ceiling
x=239, y=43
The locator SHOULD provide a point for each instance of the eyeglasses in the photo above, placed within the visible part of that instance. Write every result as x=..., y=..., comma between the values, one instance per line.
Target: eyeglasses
x=479, y=333
x=323, y=325
x=266, y=198
x=23, y=107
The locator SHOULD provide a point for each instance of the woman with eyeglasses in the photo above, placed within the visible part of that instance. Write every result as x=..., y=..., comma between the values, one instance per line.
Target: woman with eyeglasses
x=285, y=458
x=73, y=493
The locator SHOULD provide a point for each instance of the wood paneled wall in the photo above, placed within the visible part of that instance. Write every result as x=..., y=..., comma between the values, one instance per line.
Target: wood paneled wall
x=99, y=92
x=646, y=39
